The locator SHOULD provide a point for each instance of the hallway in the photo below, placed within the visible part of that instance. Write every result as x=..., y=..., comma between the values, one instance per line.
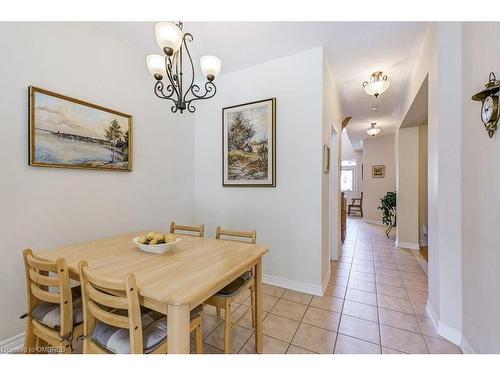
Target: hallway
x=374, y=303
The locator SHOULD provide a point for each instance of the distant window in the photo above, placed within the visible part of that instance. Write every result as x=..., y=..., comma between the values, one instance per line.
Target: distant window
x=347, y=179
x=348, y=163
x=348, y=175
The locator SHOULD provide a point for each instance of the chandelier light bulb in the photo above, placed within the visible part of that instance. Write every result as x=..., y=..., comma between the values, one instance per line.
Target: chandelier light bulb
x=378, y=84
x=210, y=66
x=156, y=66
x=168, y=37
x=373, y=130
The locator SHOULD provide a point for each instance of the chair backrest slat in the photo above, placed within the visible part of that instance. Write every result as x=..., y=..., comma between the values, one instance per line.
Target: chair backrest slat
x=198, y=231
x=110, y=318
x=238, y=236
x=43, y=295
x=39, y=279
x=106, y=299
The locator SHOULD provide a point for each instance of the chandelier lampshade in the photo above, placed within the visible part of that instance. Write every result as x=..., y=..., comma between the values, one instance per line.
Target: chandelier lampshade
x=168, y=37
x=180, y=86
x=373, y=130
x=210, y=66
x=378, y=84
x=156, y=66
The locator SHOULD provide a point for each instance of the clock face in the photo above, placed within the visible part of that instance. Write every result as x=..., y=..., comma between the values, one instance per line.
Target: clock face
x=487, y=109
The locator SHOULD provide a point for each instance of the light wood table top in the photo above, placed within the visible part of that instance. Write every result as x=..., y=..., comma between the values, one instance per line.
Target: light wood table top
x=191, y=272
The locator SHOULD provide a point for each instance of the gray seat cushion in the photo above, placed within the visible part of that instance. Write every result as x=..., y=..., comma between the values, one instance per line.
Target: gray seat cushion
x=49, y=314
x=236, y=286
x=154, y=332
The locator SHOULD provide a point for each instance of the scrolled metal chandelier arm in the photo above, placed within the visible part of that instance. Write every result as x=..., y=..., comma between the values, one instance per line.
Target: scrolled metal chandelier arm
x=174, y=89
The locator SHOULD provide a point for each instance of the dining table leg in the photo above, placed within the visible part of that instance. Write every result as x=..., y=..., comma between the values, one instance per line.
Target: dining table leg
x=178, y=322
x=258, y=307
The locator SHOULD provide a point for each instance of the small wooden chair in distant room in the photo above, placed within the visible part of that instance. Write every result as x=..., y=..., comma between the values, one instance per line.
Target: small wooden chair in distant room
x=115, y=322
x=54, y=315
x=245, y=282
x=356, y=205
x=196, y=231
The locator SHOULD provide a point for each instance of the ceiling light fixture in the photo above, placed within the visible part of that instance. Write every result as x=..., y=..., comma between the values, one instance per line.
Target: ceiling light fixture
x=378, y=84
x=173, y=41
x=374, y=129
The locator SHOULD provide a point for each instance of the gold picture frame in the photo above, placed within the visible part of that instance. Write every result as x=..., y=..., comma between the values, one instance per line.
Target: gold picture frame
x=65, y=132
x=326, y=159
x=378, y=171
x=249, y=156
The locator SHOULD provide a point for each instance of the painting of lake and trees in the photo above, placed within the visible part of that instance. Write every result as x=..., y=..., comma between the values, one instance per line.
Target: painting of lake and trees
x=249, y=145
x=66, y=132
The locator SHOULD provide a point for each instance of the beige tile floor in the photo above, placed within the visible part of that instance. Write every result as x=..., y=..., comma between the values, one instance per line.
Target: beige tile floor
x=374, y=303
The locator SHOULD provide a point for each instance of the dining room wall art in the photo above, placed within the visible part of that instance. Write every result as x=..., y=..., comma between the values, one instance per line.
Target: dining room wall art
x=249, y=144
x=69, y=133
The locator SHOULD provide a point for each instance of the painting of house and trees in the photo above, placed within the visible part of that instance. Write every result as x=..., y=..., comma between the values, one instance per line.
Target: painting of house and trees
x=249, y=144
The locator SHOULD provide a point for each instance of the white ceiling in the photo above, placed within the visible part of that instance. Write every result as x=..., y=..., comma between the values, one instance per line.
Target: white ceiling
x=354, y=49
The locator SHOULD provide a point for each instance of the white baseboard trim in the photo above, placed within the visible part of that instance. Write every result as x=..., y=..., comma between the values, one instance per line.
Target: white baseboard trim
x=325, y=282
x=466, y=347
x=407, y=245
x=442, y=329
x=298, y=286
x=12, y=344
x=421, y=261
x=371, y=221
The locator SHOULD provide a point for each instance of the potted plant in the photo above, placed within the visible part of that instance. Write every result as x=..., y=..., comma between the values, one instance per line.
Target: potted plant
x=388, y=208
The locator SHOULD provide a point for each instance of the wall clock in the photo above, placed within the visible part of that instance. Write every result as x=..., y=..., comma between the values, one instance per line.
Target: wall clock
x=490, y=110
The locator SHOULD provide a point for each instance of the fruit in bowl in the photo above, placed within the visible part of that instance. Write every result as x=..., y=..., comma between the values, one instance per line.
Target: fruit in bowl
x=153, y=238
x=156, y=242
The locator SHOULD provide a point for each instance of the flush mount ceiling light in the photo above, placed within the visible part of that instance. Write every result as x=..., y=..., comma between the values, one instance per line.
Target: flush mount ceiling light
x=374, y=129
x=378, y=84
x=173, y=41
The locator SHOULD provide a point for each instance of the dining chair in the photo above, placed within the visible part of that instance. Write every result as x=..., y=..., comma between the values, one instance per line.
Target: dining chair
x=54, y=309
x=356, y=205
x=115, y=322
x=225, y=297
x=197, y=231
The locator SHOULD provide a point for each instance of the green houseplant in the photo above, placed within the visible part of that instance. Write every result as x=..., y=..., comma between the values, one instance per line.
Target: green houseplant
x=388, y=208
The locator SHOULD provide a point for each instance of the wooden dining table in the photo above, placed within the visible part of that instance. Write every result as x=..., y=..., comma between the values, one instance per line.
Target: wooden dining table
x=175, y=282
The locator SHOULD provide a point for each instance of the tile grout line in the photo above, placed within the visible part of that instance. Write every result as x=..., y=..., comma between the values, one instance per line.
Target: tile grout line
x=376, y=299
x=345, y=293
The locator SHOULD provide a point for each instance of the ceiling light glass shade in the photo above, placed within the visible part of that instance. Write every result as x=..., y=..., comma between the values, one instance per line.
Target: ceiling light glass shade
x=168, y=36
x=379, y=83
x=156, y=65
x=210, y=66
x=373, y=131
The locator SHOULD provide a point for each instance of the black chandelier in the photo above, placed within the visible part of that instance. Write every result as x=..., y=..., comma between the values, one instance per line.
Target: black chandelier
x=173, y=41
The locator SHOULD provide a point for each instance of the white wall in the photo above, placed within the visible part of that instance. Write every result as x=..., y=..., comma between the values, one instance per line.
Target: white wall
x=422, y=184
x=43, y=208
x=379, y=150
x=480, y=199
x=407, y=188
x=288, y=217
x=332, y=136
x=440, y=61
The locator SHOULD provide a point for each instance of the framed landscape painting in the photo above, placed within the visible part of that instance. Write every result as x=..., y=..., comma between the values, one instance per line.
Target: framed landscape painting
x=70, y=133
x=249, y=144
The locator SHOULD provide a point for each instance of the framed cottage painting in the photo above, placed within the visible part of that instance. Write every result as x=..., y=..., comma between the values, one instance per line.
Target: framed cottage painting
x=249, y=144
x=70, y=133
x=378, y=171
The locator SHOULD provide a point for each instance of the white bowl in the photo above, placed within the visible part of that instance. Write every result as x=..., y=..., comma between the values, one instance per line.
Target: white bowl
x=158, y=248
